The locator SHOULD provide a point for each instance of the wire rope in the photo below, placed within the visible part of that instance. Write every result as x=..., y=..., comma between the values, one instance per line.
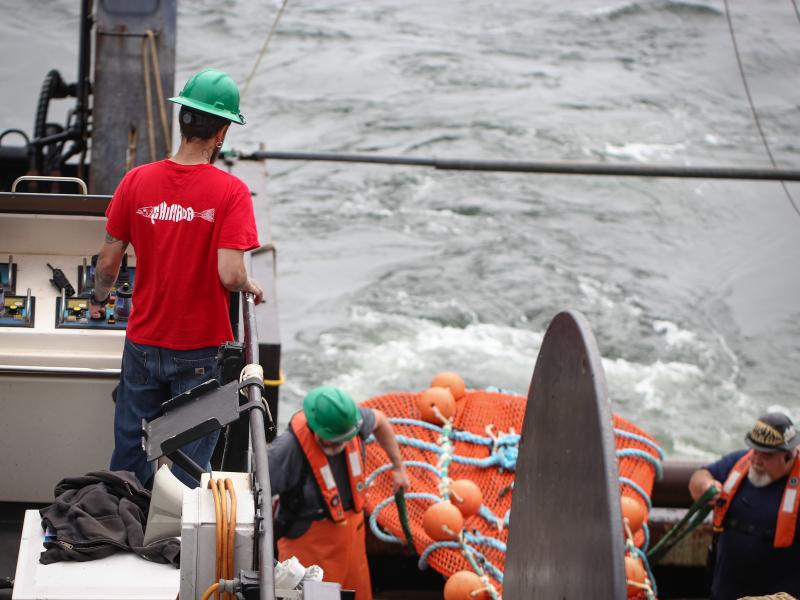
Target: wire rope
x=264, y=48
x=752, y=106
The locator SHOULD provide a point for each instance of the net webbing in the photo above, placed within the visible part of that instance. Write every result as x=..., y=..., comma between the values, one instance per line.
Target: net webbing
x=484, y=438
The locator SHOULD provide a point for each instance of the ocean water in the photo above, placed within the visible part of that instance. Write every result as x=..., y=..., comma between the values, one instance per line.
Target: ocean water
x=390, y=274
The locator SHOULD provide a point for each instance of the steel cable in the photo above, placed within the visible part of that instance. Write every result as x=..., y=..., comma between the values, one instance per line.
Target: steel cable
x=752, y=106
x=263, y=48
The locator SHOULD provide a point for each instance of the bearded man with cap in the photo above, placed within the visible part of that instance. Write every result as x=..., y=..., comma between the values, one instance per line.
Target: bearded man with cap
x=757, y=544
x=316, y=468
x=190, y=224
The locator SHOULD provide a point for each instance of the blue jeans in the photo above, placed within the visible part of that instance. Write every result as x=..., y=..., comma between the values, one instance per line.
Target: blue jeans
x=150, y=376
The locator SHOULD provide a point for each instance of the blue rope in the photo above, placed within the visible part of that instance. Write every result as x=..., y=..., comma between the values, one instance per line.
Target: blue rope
x=373, y=518
x=638, y=489
x=645, y=456
x=642, y=439
x=423, y=559
x=474, y=438
x=407, y=463
x=472, y=538
x=488, y=516
x=652, y=579
x=485, y=540
x=373, y=523
x=484, y=511
x=646, y=542
x=504, y=454
x=457, y=434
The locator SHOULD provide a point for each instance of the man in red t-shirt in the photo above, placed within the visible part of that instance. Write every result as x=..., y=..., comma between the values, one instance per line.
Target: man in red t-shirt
x=190, y=224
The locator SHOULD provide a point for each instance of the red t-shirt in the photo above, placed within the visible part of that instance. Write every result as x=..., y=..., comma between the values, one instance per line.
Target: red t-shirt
x=176, y=216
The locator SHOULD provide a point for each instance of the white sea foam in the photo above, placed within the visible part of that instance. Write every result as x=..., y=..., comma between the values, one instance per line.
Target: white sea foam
x=407, y=351
x=656, y=384
x=674, y=335
x=416, y=349
x=645, y=152
x=606, y=295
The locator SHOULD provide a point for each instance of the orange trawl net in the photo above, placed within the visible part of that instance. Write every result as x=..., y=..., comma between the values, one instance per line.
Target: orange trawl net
x=504, y=412
x=639, y=471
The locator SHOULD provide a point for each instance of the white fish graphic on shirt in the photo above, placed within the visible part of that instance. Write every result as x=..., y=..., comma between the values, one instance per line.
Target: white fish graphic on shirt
x=174, y=212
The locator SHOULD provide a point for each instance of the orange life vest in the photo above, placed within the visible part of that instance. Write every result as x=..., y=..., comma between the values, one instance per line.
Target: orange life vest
x=787, y=512
x=323, y=473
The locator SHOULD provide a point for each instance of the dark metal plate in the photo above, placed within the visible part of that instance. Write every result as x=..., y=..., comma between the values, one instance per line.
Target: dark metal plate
x=565, y=539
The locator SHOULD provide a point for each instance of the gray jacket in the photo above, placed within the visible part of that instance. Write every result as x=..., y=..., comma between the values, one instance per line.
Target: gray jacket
x=99, y=514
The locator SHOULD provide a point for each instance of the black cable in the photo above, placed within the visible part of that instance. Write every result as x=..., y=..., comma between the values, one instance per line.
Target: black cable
x=752, y=106
x=796, y=10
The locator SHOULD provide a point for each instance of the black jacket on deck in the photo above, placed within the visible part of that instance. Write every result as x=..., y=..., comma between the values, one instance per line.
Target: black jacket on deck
x=99, y=514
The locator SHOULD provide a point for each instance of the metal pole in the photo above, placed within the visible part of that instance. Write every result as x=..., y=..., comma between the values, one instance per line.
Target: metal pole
x=83, y=87
x=266, y=575
x=556, y=168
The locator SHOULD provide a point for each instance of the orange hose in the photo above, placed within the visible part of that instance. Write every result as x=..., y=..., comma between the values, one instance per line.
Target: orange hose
x=223, y=557
x=218, y=513
x=231, y=527
x=211, y=589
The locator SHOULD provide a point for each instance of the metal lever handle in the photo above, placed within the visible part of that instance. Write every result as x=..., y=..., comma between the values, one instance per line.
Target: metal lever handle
x=63, y=307
x=11, y=282
x=77, y=180
x=28, y=303
x=84, y=276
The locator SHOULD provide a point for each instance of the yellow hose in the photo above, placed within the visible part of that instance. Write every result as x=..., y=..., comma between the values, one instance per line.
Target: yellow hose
x=217, y=511
x=226, y=534
x=223, y=521
x=231, y=527
x=211, y=589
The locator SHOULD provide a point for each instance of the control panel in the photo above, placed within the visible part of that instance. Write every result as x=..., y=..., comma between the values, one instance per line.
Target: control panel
x=70, y=305
x=15, y=310
x=72, y=311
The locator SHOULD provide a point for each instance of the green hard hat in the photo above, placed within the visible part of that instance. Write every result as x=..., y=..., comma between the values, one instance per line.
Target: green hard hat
x=332, y=414
x=214, y=92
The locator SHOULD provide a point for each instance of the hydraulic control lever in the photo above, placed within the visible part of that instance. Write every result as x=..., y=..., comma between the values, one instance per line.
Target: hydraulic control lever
x=61, y=282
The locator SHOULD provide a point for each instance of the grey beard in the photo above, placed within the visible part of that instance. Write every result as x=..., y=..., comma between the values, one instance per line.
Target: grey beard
x=758, y=479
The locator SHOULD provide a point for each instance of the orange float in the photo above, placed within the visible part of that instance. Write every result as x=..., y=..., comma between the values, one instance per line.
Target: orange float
x=464, y=585
x=451, y=381
x=443, y=521
x=633, y=512
x=439, y=397
x=466, y=496
x=480, y=407
x=634, y=572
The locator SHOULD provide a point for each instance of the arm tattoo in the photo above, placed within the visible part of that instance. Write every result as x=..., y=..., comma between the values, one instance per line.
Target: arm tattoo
x=110, y=239
x=104, y=281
